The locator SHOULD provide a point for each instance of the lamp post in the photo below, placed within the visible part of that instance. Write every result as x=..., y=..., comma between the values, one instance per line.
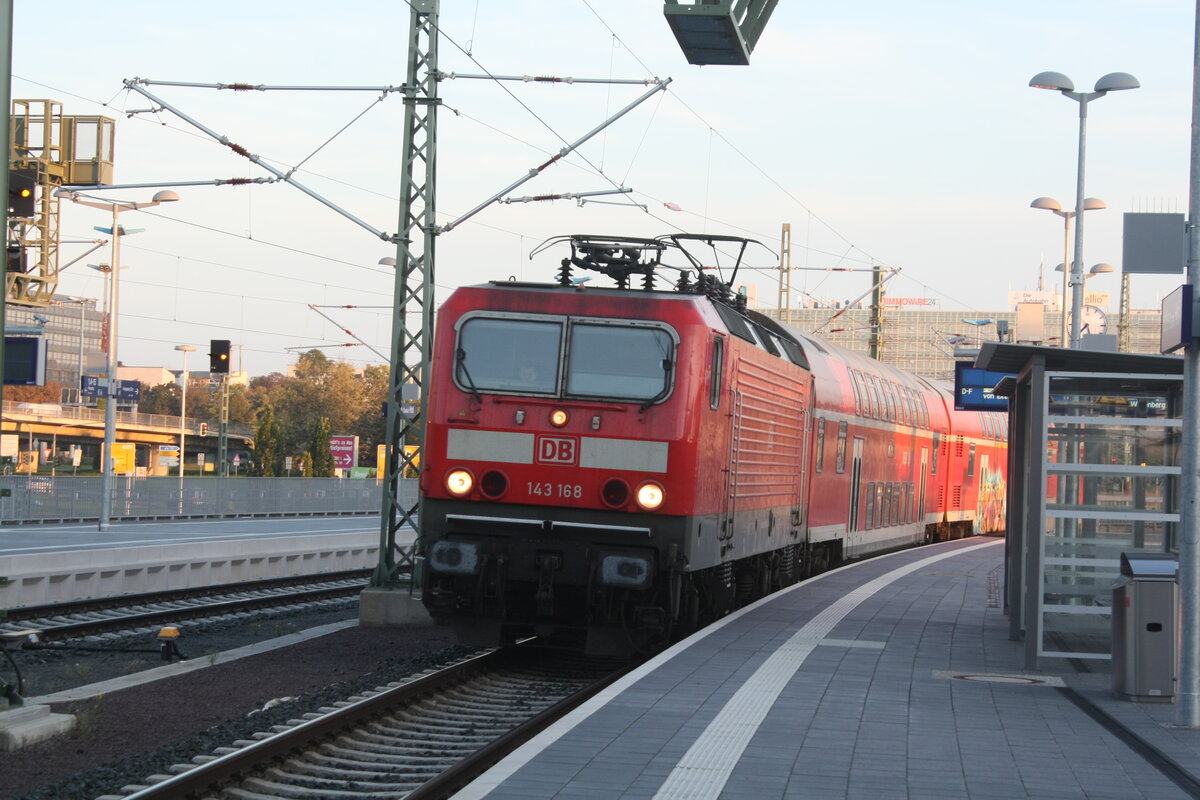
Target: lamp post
x=185, y=349
x=1052, y=205
x=110, y=403
x=1112, y=82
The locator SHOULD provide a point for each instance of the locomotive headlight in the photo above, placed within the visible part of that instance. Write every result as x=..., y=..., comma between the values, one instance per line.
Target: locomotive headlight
x=650, y=496
x=459, y=482
x=558, y=417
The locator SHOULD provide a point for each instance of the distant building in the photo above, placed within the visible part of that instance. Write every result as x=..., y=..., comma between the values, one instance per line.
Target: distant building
x=204, y=377
x=73, y=336
x=151, y=376
x=924, y=339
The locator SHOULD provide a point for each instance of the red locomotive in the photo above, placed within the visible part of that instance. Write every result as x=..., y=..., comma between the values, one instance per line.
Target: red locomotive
x=606, y=468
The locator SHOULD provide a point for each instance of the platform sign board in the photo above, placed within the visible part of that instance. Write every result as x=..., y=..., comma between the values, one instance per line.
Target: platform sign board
x=124, y=461
x=92, y=386
x=1176, y=331
x=1154, y=244
x=168, y=455
x=24, y=361
x=344, y=450
x=96, y=386
x=973, y=388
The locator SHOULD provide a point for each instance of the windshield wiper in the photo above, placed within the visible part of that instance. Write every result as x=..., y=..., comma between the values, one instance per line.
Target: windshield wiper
x=666, y=387
x=460, y=364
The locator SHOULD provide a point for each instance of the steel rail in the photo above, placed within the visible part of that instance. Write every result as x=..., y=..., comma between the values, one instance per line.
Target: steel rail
x=209, y=778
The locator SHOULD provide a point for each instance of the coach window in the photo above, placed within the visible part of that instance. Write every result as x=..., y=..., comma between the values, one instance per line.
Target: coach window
x=881, y=388
x=619, y=361
x=820, y=423
x=718, y=365
x=937, y=446
x=971, y=462
x=508, y=355
x=841, y=446
x=858, y=402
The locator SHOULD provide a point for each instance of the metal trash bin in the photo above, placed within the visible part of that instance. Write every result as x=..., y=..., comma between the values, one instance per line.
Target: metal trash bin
x=1145, y=628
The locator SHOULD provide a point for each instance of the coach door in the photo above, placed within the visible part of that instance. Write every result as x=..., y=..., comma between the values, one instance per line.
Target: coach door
x=855, y=484
x=921, y=493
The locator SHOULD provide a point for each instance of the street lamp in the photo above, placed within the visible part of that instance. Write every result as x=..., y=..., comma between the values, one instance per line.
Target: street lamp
x=1112, y=82
x=1050, y=204
x=185, y=349
x=1097, y=269
x=110, y=404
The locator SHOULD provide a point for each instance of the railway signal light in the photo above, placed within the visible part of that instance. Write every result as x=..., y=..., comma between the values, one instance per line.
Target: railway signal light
x=218, y=356
x=204, y=429
x=15, y=259
x=22, y=193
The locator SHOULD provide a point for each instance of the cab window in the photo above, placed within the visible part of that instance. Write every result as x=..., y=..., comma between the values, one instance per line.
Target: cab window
x=715, y=374
x=508, y=355
x=631, y=363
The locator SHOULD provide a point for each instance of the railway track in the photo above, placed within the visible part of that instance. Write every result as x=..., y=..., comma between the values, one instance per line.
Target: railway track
x=96, y=617
x=419, y=739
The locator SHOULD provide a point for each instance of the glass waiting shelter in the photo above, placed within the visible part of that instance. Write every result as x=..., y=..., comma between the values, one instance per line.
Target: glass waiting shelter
x=1094, y=441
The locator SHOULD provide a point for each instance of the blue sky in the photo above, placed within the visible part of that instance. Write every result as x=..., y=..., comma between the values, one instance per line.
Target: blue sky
x=899, y=134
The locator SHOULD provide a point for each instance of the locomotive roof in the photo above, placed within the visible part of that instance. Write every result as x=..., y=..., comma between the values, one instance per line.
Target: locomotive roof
x=803, y=348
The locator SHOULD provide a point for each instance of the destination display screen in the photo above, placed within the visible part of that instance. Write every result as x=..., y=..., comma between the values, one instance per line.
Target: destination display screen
x=973, y=388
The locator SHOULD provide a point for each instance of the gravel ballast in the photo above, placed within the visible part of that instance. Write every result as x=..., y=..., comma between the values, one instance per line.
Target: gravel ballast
x=123, y=737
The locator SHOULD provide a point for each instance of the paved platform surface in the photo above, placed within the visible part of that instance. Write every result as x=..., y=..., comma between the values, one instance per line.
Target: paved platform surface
x=893, y=678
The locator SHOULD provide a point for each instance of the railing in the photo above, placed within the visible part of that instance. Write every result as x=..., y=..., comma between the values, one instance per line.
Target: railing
x=40, y=498
x=52, y=411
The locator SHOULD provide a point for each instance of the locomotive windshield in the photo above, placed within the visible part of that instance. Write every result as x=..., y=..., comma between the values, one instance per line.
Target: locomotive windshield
x=603, y=359
x=509, y=355
x=618, y=361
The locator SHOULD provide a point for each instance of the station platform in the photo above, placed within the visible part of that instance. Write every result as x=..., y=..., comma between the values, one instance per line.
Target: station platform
x=63, y=563
x=890, y=678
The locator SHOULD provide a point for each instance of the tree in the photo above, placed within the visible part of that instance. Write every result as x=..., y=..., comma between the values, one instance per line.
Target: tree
x=322, y=458
x=161, y=399
x=204, y=402
x=266, y=444
x=319, y=388
x=371, y=425
x=50, y=393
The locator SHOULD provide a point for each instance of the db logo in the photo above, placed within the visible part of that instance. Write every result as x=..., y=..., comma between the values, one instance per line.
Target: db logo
x=555, y=450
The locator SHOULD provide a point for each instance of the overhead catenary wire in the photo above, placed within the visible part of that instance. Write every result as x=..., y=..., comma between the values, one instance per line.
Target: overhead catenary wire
x=249, y=87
